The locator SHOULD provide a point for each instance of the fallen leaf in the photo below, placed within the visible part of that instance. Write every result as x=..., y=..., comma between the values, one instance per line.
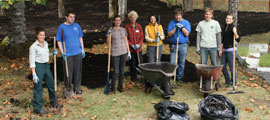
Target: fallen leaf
x=64, y=115
x=84, y=114
x=154, y=102
x=86, y=106
x=252, y=100
x=255, y=119
x=6, y=102
x=1, y=107
x=251, y=79
x=48, y=115
x=248, y=109
x=240, y=100
x=263, y=107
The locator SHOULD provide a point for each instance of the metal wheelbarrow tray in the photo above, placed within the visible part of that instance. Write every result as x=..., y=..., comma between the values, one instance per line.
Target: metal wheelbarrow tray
x=209, y=75
x=158, y=74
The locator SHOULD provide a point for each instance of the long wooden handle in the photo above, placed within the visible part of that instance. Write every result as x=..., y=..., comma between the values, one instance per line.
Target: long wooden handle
x=233, y=63
x=109, y=53
x=54, y=64
x=65, y=57
x=159, y=38
x=176, y=53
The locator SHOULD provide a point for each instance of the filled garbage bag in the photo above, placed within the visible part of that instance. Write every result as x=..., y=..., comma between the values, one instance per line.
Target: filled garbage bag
x=217, y=107
x=168, y=110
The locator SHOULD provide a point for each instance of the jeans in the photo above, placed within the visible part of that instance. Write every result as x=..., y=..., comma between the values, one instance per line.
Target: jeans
x=212, y=52
x=152, y=53
x=227, y=57
x=119, y=63
x=182, y=53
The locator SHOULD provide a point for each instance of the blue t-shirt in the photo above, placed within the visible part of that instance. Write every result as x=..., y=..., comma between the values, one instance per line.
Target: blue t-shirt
x=72, y=35
x=182, y=37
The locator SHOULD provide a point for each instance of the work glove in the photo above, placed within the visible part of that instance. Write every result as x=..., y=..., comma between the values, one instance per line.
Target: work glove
x=156, y=40
x=63, y=55
x=129, y=56
x=83, y=54
x=109, y=31
x=158, y=34
x=54, y=52
x=179, y=26
x=35, y=78
x=198, y=52
x=135, y=46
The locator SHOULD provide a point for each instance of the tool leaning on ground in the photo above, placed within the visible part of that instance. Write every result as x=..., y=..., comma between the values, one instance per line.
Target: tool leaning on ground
x=157, y=56
x=234, y=87
x=176, y=58
x=108, y=83
x=69, y=93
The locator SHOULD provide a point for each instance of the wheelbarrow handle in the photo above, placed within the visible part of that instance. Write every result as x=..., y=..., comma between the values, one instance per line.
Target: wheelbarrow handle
x=139, y=70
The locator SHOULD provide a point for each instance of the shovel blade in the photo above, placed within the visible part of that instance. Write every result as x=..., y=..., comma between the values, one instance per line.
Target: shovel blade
x=69, y=93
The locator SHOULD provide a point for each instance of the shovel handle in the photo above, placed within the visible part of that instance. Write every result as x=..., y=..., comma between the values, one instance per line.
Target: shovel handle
x=66, y=64
x=54, y=65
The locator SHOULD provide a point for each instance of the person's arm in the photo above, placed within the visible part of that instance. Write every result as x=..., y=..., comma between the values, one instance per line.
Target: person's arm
x=162, y=36
x=218, y=35
x=170, y=33
x=60, y=46
x=237, y=38
x=127, y=44
x=185, y=31
x=81, y=41
x=147, y=38
x=198, y=40
x=221, y=49
x=32, y=59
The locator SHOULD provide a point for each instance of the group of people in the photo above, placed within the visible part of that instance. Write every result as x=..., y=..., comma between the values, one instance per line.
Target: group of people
x=127, y=42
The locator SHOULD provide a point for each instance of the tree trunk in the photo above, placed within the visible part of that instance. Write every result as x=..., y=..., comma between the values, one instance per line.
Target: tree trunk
x=61, y=8
x=122, y=9
x=2, y=12
x=233, y=9
x=207, y=4
x=112, y=8
x=188, y=5
x=17, y=39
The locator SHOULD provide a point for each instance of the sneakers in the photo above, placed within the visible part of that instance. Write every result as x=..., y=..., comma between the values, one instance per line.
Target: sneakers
x=42, y=112
x=120, y=89
x=78, y=92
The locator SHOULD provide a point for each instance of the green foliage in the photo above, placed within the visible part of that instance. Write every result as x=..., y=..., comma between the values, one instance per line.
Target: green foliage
x=5, y=4
x=242, y=51
x=264, y=60
x=170, y=1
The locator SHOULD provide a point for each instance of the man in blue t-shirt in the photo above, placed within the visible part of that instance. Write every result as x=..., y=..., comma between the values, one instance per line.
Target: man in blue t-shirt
x=179, y=28
x=73, y=37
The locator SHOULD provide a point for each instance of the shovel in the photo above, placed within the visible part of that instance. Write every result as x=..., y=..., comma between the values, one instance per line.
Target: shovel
x=234, y=87
x=176, y=58
x=69, y=93
x=157, y=60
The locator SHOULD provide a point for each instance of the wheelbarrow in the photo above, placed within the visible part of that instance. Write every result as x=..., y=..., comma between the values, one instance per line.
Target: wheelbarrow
x=158, y=75
x=209, y=77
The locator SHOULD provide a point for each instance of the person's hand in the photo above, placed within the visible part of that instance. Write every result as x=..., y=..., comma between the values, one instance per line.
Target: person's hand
x=158, y=34
x=83, y=54
x=129, y=56
x=54, y=52
x=137, y=46
x=35, y=78
x=64, y=55
x=198, y=52
x=179, y=26
x=134, y=47
x=157, y=40
x=220, y=53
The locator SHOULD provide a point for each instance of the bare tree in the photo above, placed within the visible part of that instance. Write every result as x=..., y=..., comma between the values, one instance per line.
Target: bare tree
x=233, y=9
x=207, y=4
x=16, y=29
x=122, y=9
x=112, y=8
x=188, y=5
x=61, y=8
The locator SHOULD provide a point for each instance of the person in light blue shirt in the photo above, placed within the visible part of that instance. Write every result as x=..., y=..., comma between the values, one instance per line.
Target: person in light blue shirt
x=73, y=37
x=179, y=28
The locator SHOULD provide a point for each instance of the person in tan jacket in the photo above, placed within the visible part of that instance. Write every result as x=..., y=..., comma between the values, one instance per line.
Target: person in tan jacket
x=154, y=35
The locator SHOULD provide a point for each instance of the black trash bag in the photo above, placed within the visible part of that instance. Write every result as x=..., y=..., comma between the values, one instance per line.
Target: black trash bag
x=168, y=110
x=218, y=107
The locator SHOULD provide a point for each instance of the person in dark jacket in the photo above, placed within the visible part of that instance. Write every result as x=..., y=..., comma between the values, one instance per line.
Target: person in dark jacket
x=226, y=52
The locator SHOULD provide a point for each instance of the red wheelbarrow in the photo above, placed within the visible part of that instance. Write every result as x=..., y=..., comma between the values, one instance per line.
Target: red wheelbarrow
x=209, y=77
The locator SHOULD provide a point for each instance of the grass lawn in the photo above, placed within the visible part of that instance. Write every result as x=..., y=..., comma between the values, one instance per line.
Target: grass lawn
x=133, y=103
x=264, y=60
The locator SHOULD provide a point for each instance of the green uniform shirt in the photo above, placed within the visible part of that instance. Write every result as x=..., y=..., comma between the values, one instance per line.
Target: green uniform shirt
x=208, y=30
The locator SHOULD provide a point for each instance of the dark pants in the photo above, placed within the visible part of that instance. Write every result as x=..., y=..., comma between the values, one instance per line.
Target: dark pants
x=119, y=63
x=227, y=57
x=44, y=74
x=74, y=71
x=134, y=64
x=152, y=53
